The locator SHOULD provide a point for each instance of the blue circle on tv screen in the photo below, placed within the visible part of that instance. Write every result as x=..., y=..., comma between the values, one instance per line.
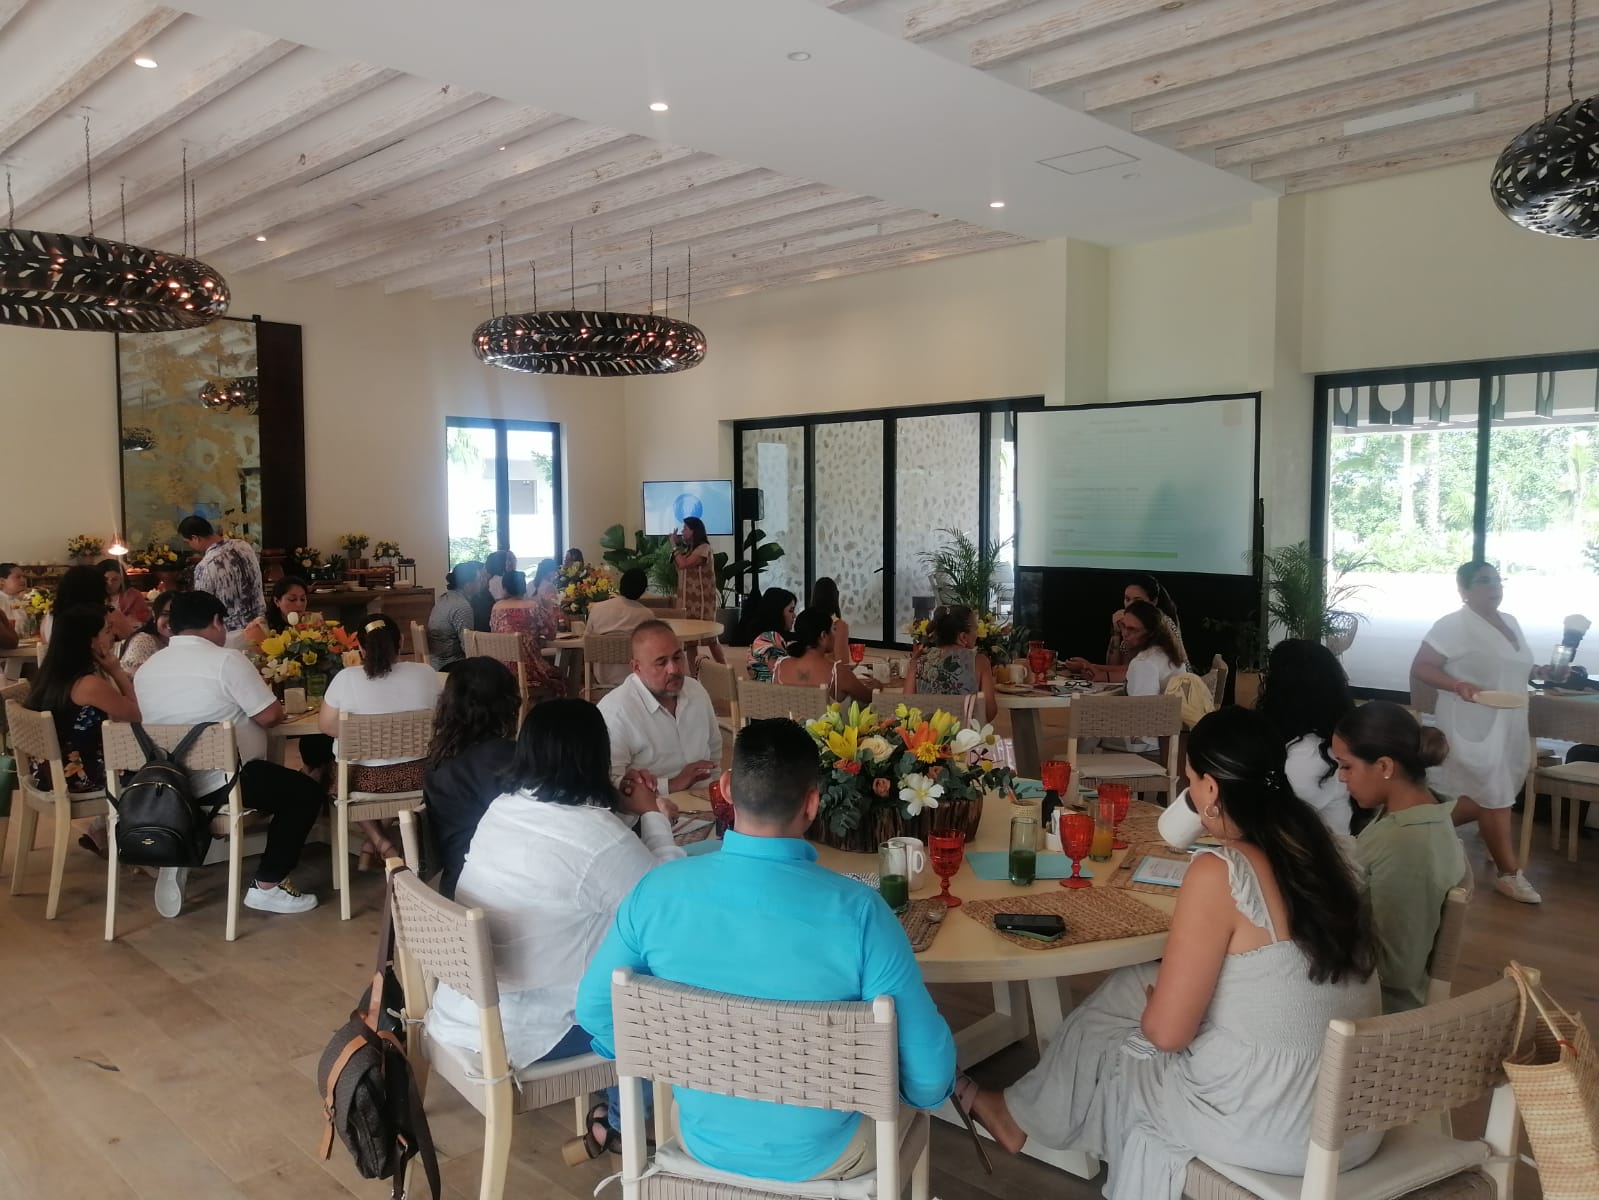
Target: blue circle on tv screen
x=687, y=505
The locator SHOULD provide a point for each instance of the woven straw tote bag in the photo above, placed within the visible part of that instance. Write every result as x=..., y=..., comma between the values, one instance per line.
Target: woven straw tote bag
x=1556, y=1082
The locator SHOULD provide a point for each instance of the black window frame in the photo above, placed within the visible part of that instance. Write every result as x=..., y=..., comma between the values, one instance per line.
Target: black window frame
x=502, y=480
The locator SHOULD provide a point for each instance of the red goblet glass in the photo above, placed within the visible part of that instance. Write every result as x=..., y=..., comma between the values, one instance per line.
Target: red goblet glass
x=1039, y=661
x=1076, y=839
x=946, y=851
x=1120, y=797
x=857, y=653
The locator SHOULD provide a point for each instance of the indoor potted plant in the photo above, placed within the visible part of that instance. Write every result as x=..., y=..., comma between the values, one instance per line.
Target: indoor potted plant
x=354, y=546
x=1306, y=595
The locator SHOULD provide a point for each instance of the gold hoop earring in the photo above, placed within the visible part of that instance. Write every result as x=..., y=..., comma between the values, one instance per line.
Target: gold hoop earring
x=1213, y=812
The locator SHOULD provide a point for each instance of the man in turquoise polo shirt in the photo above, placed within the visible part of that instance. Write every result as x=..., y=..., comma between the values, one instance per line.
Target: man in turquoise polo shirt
x=760, y=918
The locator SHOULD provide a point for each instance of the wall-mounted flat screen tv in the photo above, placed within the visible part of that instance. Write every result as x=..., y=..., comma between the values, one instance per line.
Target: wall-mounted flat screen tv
x=667, y=502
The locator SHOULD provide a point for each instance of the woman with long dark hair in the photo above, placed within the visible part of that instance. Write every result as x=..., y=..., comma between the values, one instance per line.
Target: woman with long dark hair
x=770, y=621
x=1217, y=1047
x=286, y=606
x=81, y=685
x=382, y=684
x=824, y=596
x=1304, y=696
x=696, y=579
x=550, y=864
x=1410, y=853
x=953, y=666
x=86, y=585
x=1154, y=654
x=1151, y=591
x=471, y=751
x=811, y=660
x=127, y=600
x=153, y=635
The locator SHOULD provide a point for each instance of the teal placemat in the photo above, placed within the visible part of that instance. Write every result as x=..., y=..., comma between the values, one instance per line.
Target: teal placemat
x=1029, y=788
x=995, y=864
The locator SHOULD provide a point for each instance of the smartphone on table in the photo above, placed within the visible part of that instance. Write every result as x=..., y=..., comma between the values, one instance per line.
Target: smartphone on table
x=1044, y=926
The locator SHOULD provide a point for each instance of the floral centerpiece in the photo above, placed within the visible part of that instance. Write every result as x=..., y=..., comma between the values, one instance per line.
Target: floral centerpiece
x=36, y=602
x=581, y=586
x=386, y=549
x=304, y=649
x=85, y=546
x=996, y=637
x=910, y=774
x=157, y=556
x=354, y=544
x=302, y=561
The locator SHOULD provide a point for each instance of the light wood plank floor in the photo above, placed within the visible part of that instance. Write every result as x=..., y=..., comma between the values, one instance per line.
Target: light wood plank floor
x=171, y=1064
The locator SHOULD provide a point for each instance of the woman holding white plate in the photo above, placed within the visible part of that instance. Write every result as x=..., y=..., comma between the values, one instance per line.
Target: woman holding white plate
x=1480, y=662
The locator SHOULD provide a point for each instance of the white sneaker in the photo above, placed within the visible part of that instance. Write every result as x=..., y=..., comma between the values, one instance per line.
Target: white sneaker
x=1517, y=888
x=285, y=898
x=169, y=884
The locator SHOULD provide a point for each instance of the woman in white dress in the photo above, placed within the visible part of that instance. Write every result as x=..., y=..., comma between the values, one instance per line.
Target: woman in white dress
x=1215, y=1049
x=1480, y=649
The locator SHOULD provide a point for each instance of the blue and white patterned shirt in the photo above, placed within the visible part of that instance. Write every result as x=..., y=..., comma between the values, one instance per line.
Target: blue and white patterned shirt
x=231, y=572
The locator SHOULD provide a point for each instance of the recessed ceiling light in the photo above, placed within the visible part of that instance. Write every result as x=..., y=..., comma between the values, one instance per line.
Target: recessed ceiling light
x=660, y=106
x=149, y=64
x=996, y=204
x=260, y=237
x=799, y=56
x=502, y=147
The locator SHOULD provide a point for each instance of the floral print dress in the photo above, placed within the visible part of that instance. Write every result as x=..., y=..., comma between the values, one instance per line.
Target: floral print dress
x=78, y=731
x=535, y=626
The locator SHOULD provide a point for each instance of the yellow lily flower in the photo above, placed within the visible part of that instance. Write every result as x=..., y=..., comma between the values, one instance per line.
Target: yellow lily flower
x=843, y=744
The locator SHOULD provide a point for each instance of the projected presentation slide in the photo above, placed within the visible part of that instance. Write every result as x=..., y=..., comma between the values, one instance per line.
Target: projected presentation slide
x=666, y=503
x=1149, y=487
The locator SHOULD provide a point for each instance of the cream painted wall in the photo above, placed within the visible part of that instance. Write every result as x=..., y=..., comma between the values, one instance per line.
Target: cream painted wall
x=1422, y=268
x=1179, y=316
x=381, y=375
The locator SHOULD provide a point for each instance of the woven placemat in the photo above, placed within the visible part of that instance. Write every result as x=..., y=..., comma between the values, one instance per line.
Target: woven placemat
x=1091, y=915
x=689, y=837
x=922, y=921
x=1136, y=853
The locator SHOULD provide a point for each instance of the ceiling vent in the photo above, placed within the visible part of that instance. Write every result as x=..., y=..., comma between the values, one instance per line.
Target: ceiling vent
x=1081, y=162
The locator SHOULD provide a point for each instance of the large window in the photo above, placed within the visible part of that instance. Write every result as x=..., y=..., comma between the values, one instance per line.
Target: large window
x=860, y=497
x=1430, y=467
x=504, y=489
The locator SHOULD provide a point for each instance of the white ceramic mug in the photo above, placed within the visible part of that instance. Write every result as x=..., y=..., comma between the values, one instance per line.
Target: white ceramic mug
x=915, y=859
x=1019, y=673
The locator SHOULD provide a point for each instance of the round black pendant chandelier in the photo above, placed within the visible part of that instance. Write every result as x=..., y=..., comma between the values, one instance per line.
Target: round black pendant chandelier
x=240, y=393
x=74, y=282
x=600, y=344
x=1547, y=179
x=594, y=342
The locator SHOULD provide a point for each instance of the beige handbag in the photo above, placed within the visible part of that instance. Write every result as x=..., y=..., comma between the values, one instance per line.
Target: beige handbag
x=1556, y=1082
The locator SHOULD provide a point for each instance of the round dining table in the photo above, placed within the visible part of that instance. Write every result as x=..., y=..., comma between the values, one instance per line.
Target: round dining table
x=1030, y=987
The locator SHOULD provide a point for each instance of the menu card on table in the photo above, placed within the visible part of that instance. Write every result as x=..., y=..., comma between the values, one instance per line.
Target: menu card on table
x=1166, y=872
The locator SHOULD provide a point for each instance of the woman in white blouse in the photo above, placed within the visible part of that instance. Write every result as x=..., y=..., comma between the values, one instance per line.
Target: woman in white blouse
x=550, y=863
x=1305, y=695
x=1153, y=652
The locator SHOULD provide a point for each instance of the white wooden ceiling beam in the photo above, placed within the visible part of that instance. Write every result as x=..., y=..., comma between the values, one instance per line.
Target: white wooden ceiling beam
x=123, y=127
x=368, y=122
x=1373, y=22
x=1400, y=164
x=1517, y=91
x=1071, y=22
x=653, y=199
x=951, y=16
x=1504, y=123
x=90, y=38
x=847, y=6
x=675, y=217
x=1172, y=34
x=450, y=145
x=292, y=93
x=1473, y=72
x=1464, y=34
x=630, y=258
x=410, y=213
x=9, y=9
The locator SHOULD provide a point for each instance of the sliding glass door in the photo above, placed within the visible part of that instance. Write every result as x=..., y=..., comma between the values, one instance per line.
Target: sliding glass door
x=1428, y=468
x=503, y=489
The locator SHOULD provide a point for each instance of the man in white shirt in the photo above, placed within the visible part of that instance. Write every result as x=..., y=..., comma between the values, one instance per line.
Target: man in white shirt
x=663, y=729
x=196, y=678
x=619, y=614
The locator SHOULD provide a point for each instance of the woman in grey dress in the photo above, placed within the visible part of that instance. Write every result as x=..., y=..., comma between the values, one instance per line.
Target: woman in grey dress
x=1215, y=1049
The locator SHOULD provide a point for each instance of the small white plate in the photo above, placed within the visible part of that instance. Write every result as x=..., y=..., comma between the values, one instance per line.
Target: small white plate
x=1492, y=699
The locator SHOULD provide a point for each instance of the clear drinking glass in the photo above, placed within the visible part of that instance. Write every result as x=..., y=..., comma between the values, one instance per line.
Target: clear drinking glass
x=893, y=876
x=1023, y=850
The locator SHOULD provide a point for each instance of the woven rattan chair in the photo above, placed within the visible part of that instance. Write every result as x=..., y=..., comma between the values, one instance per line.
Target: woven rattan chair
x=419, y=642
x=603, y=649
x=841, y=1056
x=507, y=647
x=670, y=614
x=215, y=750
x=1445, y=957
x=1394, y=1074
x=19, y=692
x=401, y=735
x=33, y=736
x=718, y=681
x=1127, y=717
x=1565, y=783
x=1216, y=679
x=758, y=701
x=439, y=941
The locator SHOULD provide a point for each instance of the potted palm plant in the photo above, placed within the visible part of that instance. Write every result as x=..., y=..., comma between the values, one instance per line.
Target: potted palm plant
x=1306, y=597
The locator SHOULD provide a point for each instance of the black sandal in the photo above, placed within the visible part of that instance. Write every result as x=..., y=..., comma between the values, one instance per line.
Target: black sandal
x=597, y=1138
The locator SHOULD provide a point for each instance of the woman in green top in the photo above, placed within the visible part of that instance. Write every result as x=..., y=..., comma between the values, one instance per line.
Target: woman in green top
x=1410, y=854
